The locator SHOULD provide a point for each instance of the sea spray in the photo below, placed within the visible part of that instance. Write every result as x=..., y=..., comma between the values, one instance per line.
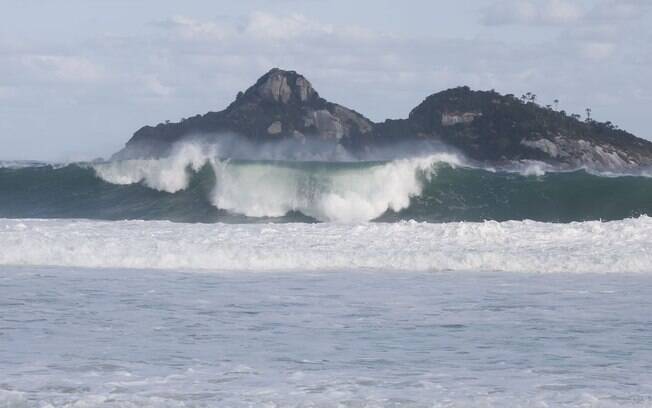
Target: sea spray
x=346, y=192
x=326, y=191
x=171, y=173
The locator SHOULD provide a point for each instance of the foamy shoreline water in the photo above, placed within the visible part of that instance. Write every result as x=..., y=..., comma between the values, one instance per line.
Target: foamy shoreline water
x=513, y=246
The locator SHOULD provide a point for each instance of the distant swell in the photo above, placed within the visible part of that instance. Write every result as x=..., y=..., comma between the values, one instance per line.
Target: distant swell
x=194, y=185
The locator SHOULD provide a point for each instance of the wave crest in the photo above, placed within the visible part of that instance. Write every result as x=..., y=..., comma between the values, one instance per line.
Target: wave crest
x=326, y=191
x=170, y=174
x=354, y=192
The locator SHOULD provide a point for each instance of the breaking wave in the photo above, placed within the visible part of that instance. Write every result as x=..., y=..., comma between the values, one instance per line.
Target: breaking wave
x=196, y=184
x=326, y=191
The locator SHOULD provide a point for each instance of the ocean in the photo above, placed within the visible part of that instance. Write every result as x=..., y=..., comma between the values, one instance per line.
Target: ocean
x=193, y=281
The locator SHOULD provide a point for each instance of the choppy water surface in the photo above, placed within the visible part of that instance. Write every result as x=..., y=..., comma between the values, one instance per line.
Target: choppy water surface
x=129, y=338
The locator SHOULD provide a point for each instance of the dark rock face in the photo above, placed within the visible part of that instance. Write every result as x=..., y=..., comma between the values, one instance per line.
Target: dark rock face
x=280, y=105
x=495, y=128
x=491, y=127
x=484, y=125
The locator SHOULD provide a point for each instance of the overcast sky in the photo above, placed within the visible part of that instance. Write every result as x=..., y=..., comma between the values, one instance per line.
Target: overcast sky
x=78, y=77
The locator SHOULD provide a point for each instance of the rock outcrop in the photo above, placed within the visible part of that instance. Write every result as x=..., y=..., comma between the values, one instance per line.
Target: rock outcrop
x=281, y=104
x=484, y=125
x=495, y=128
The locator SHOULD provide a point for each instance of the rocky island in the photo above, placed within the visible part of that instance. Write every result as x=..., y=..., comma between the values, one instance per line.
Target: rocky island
x=483, y=125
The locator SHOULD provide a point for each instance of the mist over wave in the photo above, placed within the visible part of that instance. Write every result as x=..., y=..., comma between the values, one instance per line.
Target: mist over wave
x=171, y=173
x=230, y=146
x=21, y=164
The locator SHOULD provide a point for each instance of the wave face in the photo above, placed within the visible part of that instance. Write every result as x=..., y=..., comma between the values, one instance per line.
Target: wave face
x=194, y=185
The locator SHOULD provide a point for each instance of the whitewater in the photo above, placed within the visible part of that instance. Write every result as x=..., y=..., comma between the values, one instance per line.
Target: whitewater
x=527, y=246
x=351, y=191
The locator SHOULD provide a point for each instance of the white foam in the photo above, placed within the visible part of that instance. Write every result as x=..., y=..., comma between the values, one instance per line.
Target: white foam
x=12, y=399
x=169, y=173
x=16, y=399
x=22, y=164
x=531, y=168
x=328, y=192
x=345, y=194
x=527, y=246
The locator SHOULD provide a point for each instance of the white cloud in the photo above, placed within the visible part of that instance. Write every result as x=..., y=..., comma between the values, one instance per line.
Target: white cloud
x=65, y=68
x=258, y=26
x=546, y=12
x=154, y=85
x=190, y=28
x=265, y=26
x=261, y=27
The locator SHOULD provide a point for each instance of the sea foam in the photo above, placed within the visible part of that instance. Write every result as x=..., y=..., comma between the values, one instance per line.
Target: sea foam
x=513, y=246
x=357, y=191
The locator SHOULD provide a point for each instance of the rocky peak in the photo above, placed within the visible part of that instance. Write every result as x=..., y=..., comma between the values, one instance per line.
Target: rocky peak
x=284, y=104
x=284, y=87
